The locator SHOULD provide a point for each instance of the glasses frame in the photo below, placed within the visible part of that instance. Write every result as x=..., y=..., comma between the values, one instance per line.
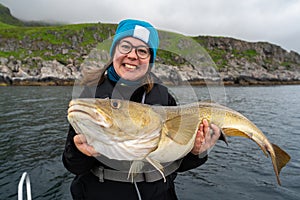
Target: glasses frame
x=134, y=47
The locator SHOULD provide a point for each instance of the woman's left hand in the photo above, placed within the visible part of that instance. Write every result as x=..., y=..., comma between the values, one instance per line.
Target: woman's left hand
x=204, y=140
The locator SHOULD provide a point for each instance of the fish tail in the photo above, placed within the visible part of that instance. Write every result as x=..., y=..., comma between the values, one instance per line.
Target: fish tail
x=280, y=159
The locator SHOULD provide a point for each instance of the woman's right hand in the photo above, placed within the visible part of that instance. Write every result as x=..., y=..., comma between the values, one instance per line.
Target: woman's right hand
x=204, y=140
x=83, y=146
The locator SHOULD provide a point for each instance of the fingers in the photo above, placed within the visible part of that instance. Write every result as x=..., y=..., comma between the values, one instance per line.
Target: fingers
x=200, y=138
x=200, y=134
x=204, y=139
x=197, y=144
x=205, y=127
x=198, y=141
x=82, y=145
x=91, y=151
x=206, y=131
x=79, y=139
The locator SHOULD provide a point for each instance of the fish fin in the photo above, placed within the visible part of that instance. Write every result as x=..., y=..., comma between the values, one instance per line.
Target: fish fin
x=223, y=137
x=181, y=128
x=282, y=158
x=135, y=168
x=234, y=132
x=157, y=166
x=239, y=133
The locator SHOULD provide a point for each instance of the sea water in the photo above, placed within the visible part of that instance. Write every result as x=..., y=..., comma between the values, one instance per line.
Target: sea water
x=33, y=130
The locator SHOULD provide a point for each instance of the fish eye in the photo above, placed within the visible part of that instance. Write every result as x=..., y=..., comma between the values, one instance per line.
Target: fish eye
x=115, y=104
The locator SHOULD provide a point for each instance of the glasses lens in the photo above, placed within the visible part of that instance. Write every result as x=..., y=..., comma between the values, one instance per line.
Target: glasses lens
x=125, y=47
x=142, y=51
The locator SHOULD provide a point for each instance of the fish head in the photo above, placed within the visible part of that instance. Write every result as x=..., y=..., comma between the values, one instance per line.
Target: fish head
x=119, y=119
x=83, y=110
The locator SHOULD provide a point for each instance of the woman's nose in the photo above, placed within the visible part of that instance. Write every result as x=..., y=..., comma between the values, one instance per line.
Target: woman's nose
x=132, y=54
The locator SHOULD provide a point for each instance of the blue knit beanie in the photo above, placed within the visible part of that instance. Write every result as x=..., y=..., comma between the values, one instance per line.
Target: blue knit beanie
x=138, y=29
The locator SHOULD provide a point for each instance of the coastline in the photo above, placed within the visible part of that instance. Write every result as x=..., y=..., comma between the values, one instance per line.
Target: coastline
x=58, y=82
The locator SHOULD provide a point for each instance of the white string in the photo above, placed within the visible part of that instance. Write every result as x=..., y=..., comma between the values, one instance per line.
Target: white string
x=137, y=191
x=144, y=97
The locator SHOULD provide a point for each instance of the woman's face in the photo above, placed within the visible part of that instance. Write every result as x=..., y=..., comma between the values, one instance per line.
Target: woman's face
x=130, y=66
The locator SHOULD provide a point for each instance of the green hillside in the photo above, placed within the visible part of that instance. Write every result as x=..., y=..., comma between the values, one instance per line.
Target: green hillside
x=50, y=42
x=5, y=26
x=39, y=39
x=24, y=39
x=7, y=18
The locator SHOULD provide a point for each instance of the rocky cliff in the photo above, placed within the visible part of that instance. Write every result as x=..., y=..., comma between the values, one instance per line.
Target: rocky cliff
x=241, y=62
x=55, y=56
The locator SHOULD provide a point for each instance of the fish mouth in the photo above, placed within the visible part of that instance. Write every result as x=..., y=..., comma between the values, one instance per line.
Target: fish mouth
x=81, y=109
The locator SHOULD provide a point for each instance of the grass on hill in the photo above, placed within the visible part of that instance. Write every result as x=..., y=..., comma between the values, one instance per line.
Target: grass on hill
x=5, y=26
x=48, y=40
x=173, y=51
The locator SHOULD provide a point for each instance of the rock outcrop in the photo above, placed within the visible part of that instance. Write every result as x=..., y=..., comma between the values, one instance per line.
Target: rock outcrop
x=243, y=62
x=47, y=73
x=236, y=62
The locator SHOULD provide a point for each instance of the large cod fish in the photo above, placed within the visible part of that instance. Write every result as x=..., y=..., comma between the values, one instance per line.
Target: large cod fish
x=129, y=131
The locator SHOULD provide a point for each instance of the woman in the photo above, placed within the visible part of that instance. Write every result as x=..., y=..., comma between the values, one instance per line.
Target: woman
x=129, y=77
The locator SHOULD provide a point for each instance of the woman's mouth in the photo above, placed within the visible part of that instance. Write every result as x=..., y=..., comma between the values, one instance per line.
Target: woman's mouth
x=130, y=66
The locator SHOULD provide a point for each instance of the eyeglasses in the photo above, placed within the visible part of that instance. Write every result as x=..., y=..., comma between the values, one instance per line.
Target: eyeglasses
x=125, y=47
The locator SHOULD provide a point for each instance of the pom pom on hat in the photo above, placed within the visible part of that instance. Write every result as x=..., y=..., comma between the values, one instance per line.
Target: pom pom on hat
x=138, y=29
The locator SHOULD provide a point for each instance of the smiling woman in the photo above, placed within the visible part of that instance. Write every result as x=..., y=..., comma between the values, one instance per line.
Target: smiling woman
x=128, y=76
x=128, y=64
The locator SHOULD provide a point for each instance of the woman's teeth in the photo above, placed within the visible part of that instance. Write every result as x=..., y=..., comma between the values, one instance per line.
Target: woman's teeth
x=130, y=66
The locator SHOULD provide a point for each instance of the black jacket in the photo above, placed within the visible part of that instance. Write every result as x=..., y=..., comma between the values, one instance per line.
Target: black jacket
x=87, y=186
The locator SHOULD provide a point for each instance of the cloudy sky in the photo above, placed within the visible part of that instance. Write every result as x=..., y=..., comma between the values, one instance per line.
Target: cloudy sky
x=274, y=21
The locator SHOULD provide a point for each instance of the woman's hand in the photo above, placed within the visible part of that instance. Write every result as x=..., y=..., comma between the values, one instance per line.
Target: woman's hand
x=204, y=140
x=82, y=145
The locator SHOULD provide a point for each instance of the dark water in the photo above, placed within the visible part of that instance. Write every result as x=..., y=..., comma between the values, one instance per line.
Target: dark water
x=33, y=128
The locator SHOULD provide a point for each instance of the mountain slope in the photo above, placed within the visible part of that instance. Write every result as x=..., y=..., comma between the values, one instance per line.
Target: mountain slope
x=7, y=18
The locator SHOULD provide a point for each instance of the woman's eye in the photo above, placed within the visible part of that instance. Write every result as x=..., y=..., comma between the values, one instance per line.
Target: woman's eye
x=126, y=47
x=142, y=51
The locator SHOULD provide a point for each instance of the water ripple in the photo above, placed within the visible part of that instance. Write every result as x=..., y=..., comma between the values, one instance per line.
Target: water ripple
x=34, y=125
